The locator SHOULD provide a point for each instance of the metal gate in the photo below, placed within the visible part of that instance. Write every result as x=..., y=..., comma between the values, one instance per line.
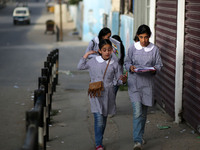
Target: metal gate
x=191, y=89
x=166, y=26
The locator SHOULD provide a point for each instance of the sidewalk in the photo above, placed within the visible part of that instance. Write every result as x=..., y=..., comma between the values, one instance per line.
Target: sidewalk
x=72, y=126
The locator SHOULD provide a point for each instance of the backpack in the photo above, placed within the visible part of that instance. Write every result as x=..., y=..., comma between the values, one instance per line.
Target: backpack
x=93, y=45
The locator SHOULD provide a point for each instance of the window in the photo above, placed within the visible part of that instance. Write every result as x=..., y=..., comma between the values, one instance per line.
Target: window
x=126, y=6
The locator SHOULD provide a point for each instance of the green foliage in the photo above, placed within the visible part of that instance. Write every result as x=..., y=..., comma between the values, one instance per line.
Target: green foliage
x=123, y=87
x=74, y=2
x=54, y=112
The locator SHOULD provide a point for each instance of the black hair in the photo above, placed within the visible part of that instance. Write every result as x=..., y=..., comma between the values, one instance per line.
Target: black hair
x=136, y=39
x=143, y=29
x=103, y=32
x=122, y=49
x=104, y=42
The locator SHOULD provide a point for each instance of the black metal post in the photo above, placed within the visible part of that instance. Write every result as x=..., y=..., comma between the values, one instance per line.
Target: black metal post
x=31, y=141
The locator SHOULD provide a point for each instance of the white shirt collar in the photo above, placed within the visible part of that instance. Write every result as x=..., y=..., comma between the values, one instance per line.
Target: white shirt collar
x=101, y=60
x=146, y=49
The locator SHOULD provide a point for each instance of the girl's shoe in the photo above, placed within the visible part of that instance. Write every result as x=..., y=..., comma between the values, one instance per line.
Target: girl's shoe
x=137, y=146
x=99, y=147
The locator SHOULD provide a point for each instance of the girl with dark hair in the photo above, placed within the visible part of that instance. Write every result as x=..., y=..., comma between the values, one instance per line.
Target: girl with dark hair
x=136, y=39
x=104, y=33
x=121, y=59
x=102, y=105
x=142, y=29
x=141, y=54
x=122, y=49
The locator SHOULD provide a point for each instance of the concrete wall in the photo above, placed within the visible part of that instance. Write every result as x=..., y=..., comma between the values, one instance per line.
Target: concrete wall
x=114, y=20
x=79, y=21
x=116, y=5
x=126, y=30
x=57, y=14
x=93, y=17
x=115, y=23
x=73, y=13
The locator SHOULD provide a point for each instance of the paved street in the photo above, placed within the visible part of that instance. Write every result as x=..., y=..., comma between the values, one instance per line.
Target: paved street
x=23, y=50
x=21, y=60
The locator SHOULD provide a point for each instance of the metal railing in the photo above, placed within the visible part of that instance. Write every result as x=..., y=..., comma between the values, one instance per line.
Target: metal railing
x=38, y=119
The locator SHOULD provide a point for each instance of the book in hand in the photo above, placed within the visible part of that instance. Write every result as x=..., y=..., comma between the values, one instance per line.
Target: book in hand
x=116, y=47
x=145, y=69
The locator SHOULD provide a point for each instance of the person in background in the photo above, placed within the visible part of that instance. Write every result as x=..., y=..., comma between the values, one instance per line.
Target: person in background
x=140, y=85
x=103, y=105
x=104, y=33
x=121, y=59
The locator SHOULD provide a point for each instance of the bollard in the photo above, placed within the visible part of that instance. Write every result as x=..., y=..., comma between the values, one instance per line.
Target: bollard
x=50, y=60
x=39, y=106
x=45, y=73
x=57, y=65
x=50, y=79
x=55, y=68
x=31, y=142
x=43, y=84
x=53, y=54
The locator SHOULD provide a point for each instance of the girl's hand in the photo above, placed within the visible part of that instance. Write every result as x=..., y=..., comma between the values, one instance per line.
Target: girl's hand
x=124, y=78
x=132, y=68
x=89, y=53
